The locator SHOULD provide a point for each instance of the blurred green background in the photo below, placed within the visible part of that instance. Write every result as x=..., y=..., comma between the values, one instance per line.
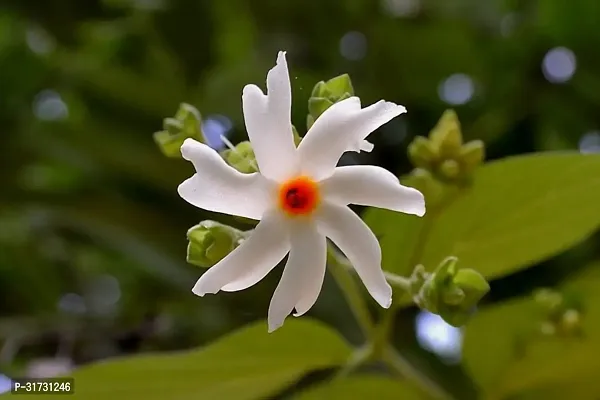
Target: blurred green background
x=92, y=231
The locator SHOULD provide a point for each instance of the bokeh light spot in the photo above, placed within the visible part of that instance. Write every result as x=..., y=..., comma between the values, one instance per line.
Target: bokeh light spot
x=353, y=46
x=49, y=106
x=457, y=89
x=39, y=41
x=590, y=142
x=402, y=8
x=437, y=336
x=214, y=127
x=559, y=65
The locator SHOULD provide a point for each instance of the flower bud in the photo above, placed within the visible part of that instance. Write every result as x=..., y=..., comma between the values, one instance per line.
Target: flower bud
x=473, y=284
x=309, y=121
x=446, y=135
x=424, y=182
x=318, y=105
x=570, y=322
x=472, y=155
x=172, y=125
x=451, y=293
x=340, y=87
x=241, y=157
x=325, y=94
x=320, y=90
x=422, y=153
x=186, y=124
x=210, y=242
x=549, y=300
x=450, y=169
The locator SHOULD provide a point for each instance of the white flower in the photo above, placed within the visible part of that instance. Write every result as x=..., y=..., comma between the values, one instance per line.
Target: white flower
x=299, y=196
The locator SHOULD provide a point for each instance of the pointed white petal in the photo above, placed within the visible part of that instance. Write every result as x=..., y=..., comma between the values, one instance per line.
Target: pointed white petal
x=264, y=249
x=268, y=122
x=314, y=275
x=378, y=188
x=220, y=188
x=359, y=244
x=302, y=277
x=366, y=146
x=362, y=145
x=341, y=127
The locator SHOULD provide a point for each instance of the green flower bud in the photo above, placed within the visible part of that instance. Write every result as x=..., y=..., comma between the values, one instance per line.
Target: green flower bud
x=453, y=296
x=451, y=293
x=417, y=279
x=172, y=125
x=424, y=182
x=210, y=242
x=472, y=155
x=549, y=300
x=325, y=94
x=473, y=284
x=447, y=136
x=186, y=124
x=318, y=105
x=570, y=322
x=309, y=121
x=170, y=145
x=187, y=112
x=320, y=90
x=241, y=157
x=450, y=169
x=340, y=86
x=422, y=153
x=456, y=317
x=428, y=297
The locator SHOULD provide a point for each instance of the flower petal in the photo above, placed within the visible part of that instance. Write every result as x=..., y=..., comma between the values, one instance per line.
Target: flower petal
x=378, y=188
x=359, y=244
x=268, y=122
x=220, y=188
x=362, y=145
x=265, y=248
x=340, y=128
x=302, y=277
x=366, y=146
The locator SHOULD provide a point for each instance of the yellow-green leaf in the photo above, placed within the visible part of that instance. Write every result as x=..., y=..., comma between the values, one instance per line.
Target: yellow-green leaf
x=520, y=210
x=246, y=365
x=505, y=353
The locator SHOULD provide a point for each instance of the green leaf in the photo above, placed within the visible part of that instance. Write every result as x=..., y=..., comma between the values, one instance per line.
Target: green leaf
x=248, y=364
x=505, y=353
x=519, y=211
x=362, y=387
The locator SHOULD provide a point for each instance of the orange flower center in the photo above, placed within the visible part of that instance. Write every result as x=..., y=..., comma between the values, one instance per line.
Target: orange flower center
x=299, y=196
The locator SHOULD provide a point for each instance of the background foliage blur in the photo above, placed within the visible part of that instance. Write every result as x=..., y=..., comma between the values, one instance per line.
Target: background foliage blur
x=92, y=232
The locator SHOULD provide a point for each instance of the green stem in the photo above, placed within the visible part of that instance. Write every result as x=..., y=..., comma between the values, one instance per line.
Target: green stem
x=403, y=367
x=385, y=328
x=352, y=293
x=398, y=281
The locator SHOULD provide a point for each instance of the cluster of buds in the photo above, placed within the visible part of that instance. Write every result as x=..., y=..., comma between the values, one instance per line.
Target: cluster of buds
x=561, y=313
x=187, y=123
x=450, y=292
x=326, y=94
x=443, y=154
x=210, y=241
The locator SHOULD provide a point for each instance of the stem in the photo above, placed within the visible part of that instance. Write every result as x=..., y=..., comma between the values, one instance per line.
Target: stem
x=397, y=280
x=385, y=328
x=403, y=367
x=352, y=293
